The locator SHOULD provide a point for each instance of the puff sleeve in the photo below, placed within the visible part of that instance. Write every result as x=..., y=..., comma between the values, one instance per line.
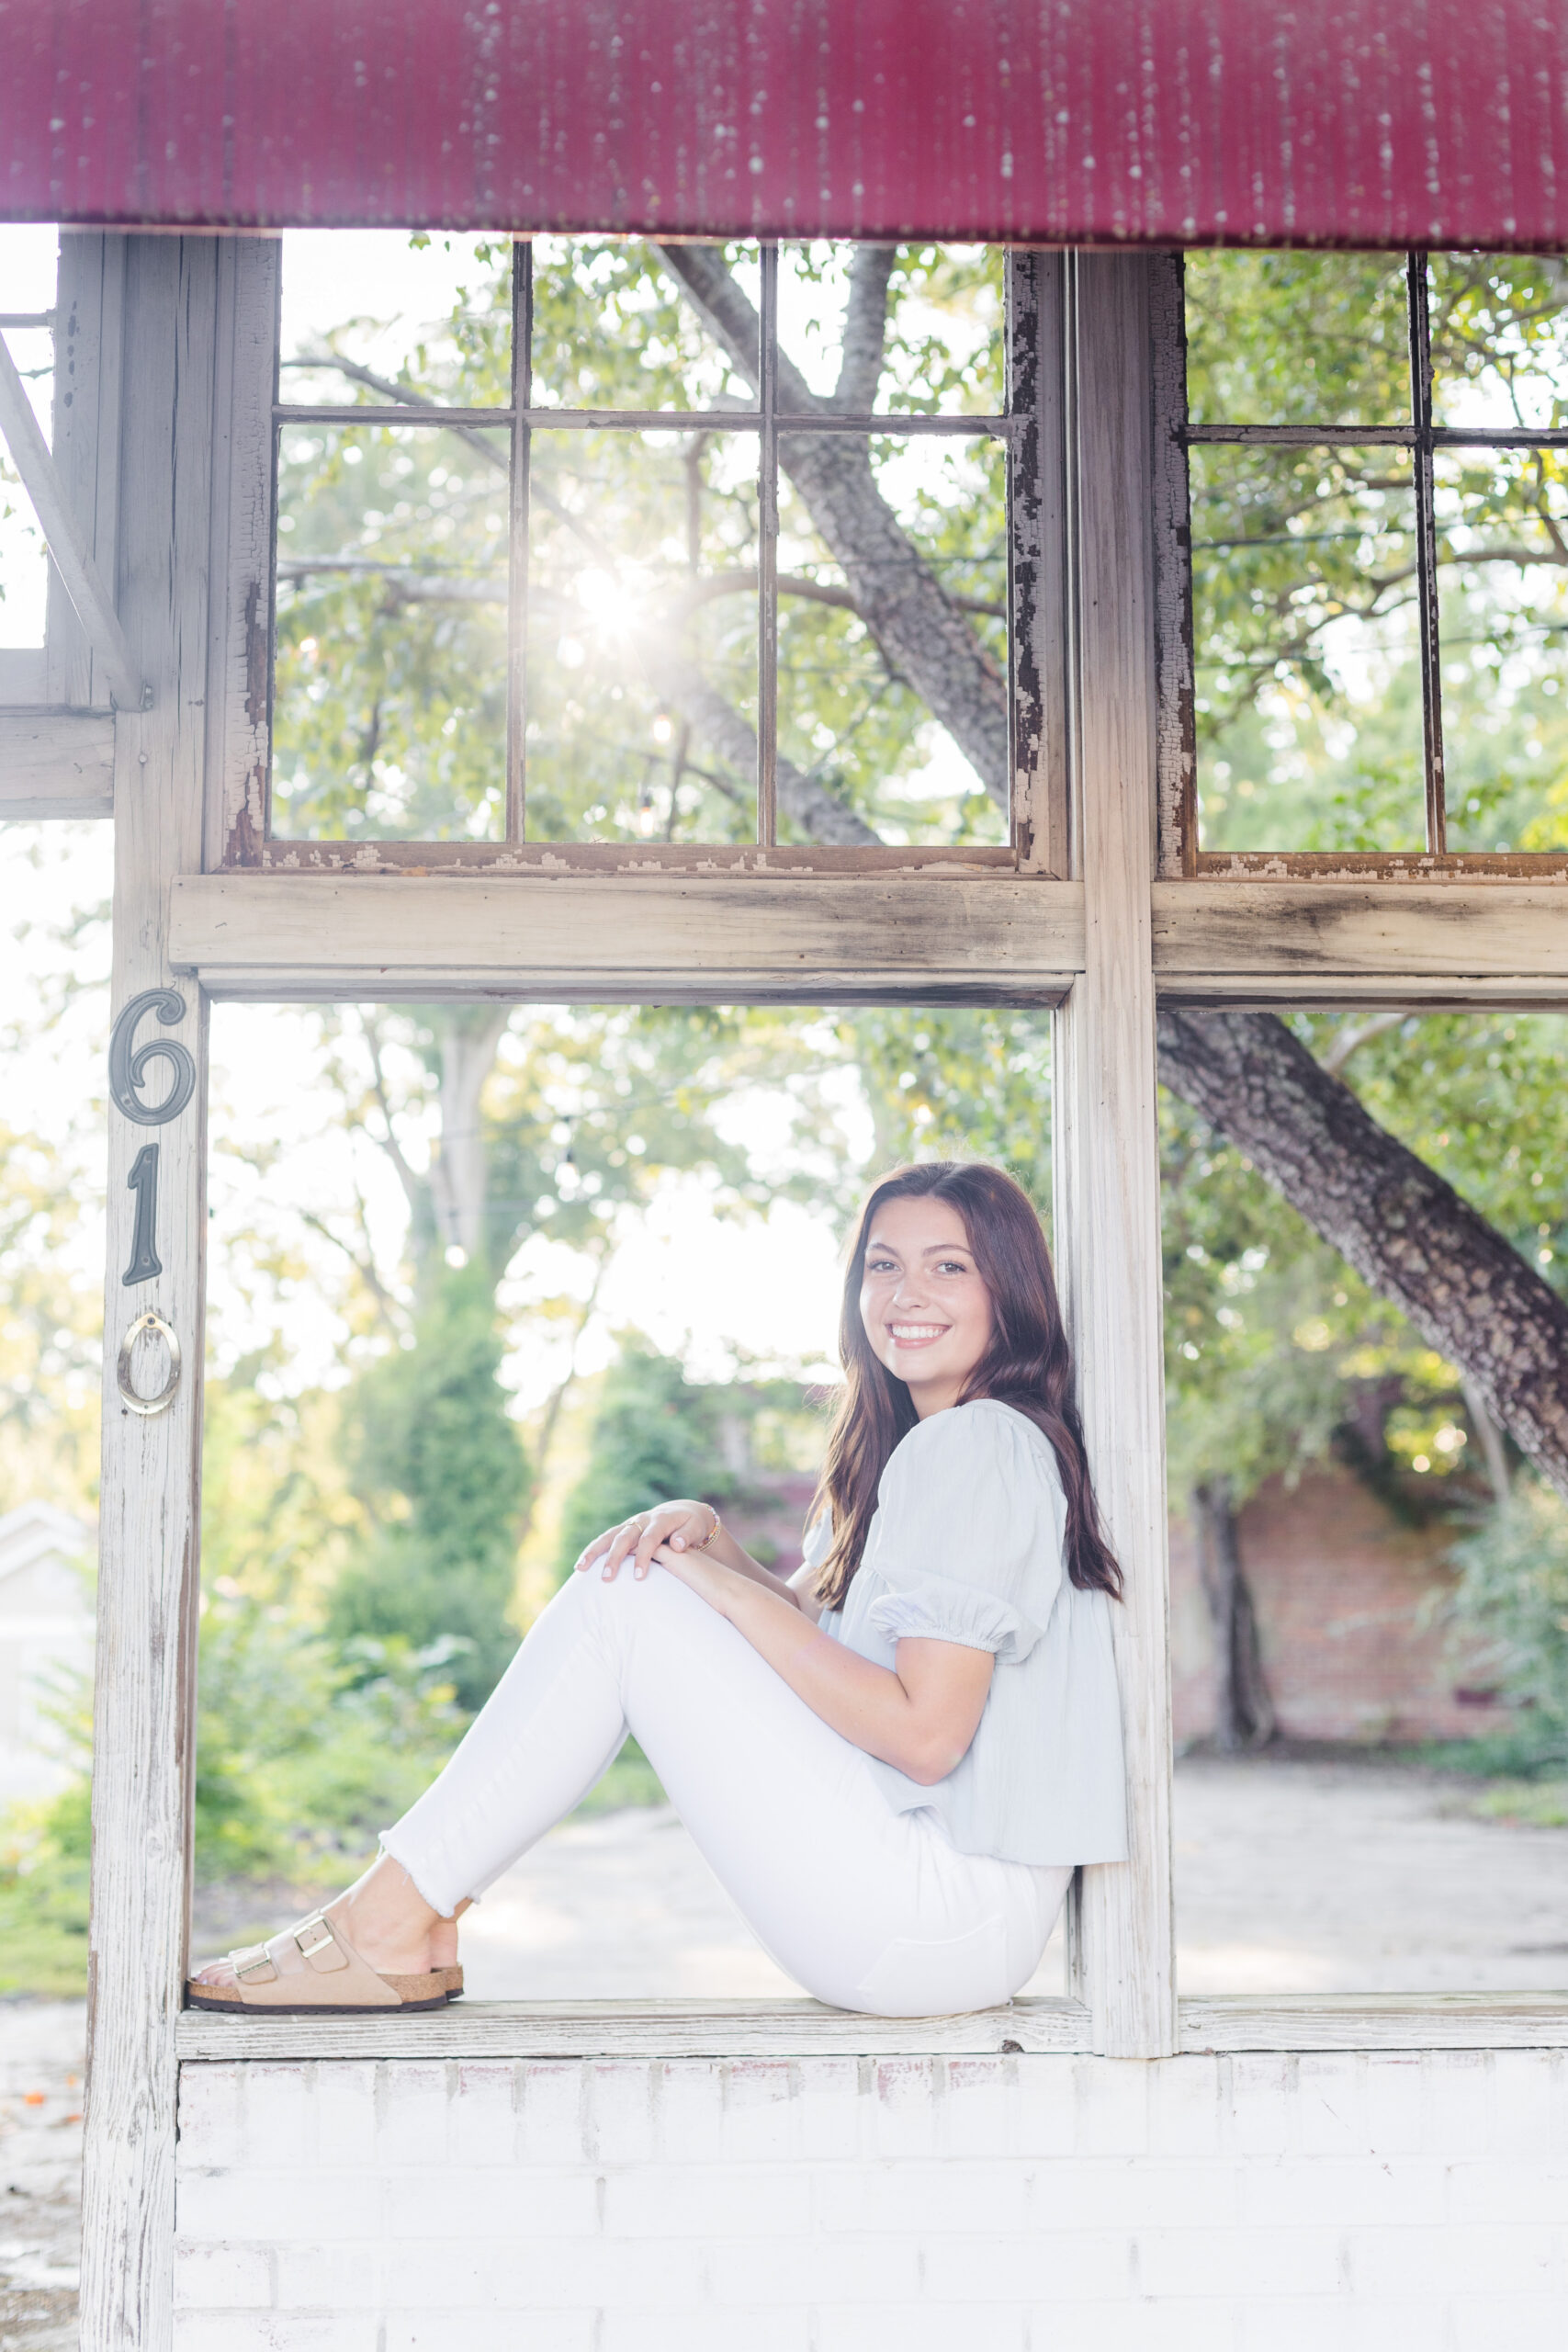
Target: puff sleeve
x=968, y=1535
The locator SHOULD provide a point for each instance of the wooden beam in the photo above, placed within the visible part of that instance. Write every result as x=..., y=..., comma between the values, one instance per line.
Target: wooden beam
x=1220, y=938
x=149, y=1510
x=56, y=764
x=674, y=2028
x=239, y=671
x=265, y=935
x=1376, y=2021
x=737, y=2028
x=996, y=937
x=1107, y=1144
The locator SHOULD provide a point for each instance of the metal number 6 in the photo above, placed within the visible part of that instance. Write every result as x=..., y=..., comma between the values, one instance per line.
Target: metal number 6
x=128, y=1068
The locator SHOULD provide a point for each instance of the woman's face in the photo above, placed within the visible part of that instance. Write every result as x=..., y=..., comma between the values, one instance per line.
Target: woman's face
x=926, y=1311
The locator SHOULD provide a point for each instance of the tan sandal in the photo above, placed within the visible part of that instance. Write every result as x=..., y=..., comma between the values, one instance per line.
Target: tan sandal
x=314, y=1966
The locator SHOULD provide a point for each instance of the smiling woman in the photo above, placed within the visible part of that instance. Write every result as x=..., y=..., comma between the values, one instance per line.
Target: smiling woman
x=895, y=1759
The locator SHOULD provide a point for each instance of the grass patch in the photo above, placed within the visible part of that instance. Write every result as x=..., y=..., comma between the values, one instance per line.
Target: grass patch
x=1531, y=1804
x=43, y=1900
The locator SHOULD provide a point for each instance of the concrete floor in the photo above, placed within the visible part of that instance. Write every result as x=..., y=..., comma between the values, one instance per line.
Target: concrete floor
x=1292, y=1876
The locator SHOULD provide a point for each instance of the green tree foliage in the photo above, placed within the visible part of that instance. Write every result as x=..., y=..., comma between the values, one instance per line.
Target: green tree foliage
x=655, y=1437
x=440, y=1466
x=959, y=1085
x=49, y=1329
x=1308, y=674
x=307, y=1747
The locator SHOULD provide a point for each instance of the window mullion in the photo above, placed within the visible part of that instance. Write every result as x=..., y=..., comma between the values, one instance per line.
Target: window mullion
x=768, y=552
x=1177, y=706
x=517, y=541
x=1427, y=552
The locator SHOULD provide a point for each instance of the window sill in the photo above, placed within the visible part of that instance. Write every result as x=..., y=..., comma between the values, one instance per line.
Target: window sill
x=805, y=2028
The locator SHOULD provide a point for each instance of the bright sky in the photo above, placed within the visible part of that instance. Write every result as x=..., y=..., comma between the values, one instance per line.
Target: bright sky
x=26, y=284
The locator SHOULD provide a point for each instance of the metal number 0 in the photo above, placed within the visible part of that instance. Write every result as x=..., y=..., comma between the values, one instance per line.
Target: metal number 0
x=148, y=1407
x=129, y=1068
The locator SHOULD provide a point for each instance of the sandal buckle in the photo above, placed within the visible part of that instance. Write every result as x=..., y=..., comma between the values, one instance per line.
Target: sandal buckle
x=315, y=1935
x=253, y=1966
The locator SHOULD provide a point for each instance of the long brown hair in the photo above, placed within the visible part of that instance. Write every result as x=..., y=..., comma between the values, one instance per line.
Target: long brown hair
x=1027, y=1365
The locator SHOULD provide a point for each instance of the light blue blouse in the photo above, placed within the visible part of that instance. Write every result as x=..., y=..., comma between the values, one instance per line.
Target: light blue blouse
x=967, y=1547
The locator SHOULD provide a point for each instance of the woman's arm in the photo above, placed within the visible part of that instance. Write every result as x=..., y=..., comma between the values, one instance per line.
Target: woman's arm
x=920, y=1717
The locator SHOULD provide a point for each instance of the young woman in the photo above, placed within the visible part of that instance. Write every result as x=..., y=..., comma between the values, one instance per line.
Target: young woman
x=893, y=1761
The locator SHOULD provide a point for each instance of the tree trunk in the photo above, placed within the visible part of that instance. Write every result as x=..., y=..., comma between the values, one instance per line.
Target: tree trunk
x=1396, y=1221
x=1244, y=1712
x=459, y=1169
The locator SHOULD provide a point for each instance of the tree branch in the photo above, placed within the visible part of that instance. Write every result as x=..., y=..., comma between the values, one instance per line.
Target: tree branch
x=1396, y=1221
x=900, y=599
x=389, y=1142
x=865, y=328
x=1352, y=1035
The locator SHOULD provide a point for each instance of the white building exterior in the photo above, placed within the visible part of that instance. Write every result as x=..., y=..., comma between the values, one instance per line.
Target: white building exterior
x=46, y=1640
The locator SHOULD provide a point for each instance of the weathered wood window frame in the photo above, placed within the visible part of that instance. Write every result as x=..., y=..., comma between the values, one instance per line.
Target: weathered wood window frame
x=1181, y=852
x=1030, y=426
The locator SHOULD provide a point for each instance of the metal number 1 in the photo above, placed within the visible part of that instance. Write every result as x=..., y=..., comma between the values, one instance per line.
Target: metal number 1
x=143, y=1181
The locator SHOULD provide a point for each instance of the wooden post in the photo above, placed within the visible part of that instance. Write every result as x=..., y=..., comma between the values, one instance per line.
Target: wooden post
x=150, y=1508
x=1107, y=1150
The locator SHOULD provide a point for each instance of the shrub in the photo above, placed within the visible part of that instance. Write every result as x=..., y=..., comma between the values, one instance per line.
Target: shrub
x=442, y=1469
x=1513, y=1592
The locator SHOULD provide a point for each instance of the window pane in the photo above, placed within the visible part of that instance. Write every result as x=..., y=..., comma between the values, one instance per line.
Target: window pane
x=428, y=317
x=1503, y=587
x=890, y=699
x=615, y=328
x=1297, y=338
x=642, y=637
x=389, y=694
x=28, y=258
x=1499, y=340
x=1367, y=1583
x=928, y=319
x=1306, y=649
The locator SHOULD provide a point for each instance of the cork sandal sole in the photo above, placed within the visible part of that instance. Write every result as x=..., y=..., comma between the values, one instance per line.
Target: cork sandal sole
x=414, y=1994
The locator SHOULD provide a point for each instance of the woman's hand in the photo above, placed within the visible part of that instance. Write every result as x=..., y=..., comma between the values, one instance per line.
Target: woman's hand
x=686, y=1526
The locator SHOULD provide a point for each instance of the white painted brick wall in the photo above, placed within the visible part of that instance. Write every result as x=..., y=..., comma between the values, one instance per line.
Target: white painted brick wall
x=1332, y=2203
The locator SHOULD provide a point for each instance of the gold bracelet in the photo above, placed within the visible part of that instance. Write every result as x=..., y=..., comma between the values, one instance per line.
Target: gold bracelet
x=715, y=1530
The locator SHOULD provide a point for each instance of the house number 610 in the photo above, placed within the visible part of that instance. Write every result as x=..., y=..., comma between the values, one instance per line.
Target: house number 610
x=129, y=1065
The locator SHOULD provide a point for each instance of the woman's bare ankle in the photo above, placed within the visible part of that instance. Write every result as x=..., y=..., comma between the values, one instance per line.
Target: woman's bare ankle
x=391, y=1925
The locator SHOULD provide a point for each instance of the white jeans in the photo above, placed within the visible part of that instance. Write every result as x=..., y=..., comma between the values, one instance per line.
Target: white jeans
x=867, y=1908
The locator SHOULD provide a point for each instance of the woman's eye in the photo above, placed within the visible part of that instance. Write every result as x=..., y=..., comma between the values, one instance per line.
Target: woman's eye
x=952, y=1266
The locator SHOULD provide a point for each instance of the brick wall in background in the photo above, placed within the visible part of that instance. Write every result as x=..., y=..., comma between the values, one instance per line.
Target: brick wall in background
x=1329, y=2203
x=1348, y=1608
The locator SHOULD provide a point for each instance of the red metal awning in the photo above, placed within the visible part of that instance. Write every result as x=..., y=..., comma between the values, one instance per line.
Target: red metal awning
x=1367, y=122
